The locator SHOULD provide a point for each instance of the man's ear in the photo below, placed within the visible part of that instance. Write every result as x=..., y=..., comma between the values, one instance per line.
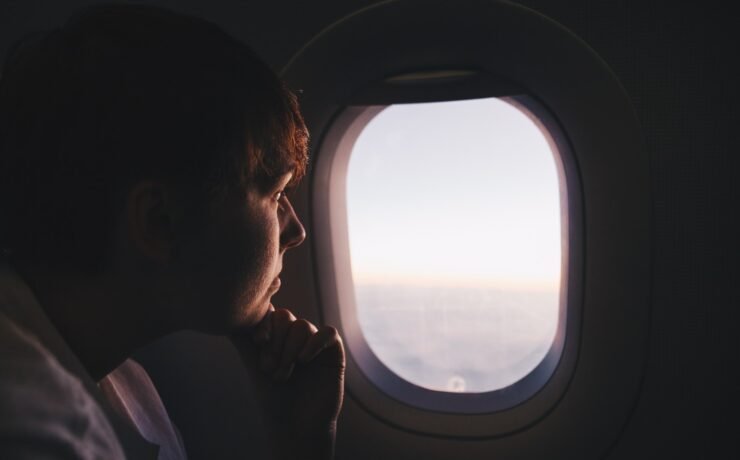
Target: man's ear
x=150, y=215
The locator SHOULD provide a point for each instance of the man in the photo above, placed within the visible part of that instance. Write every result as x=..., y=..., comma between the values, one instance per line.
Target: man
x=144, y=163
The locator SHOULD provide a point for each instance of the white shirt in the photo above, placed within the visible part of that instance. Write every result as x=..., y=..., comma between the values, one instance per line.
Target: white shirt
x=50, y=407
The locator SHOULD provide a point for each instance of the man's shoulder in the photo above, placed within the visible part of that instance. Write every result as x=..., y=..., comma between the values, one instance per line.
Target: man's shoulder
x=28, y=369
x=44, y=409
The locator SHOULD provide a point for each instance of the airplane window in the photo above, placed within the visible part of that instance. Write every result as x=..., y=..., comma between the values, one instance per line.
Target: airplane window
x=457, y=238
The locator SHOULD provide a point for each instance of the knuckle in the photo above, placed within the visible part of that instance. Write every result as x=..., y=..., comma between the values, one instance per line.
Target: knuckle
x=284, y=315
x=331, y=333
x=306, y=326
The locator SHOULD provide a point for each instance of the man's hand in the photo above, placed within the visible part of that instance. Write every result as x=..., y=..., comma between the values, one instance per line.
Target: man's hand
x=299, y=375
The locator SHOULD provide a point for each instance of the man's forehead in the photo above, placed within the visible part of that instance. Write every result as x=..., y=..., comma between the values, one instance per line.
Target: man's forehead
x=272, y=181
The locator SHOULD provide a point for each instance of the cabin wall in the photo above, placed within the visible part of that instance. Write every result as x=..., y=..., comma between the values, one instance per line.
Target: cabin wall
x=678, y=65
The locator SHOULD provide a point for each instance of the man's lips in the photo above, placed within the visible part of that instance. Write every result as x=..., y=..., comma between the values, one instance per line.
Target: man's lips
x=276, y=283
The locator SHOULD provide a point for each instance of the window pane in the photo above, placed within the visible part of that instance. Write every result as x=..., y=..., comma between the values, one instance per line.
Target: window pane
x=455, y=242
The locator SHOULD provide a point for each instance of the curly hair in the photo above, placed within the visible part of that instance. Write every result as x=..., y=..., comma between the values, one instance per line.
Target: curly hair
x=123, y=93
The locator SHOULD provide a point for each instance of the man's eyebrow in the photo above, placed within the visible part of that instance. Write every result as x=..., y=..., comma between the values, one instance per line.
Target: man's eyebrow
x=286, y=179
x=280, y=181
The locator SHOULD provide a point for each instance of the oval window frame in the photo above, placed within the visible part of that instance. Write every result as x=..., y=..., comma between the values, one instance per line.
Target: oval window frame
x=338, y=286
x=344, y=66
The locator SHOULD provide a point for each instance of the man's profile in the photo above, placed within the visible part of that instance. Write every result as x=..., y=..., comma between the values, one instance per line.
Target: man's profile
x=144, y=162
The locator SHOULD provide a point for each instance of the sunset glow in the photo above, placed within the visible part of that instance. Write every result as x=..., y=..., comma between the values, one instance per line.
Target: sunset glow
x=459, y=193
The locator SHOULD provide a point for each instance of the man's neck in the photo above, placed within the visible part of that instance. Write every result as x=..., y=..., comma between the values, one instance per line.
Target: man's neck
x=97, y=317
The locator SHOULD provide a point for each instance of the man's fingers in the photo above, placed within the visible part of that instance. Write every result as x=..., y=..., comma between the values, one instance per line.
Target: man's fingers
x=326, y=337
x=299, y=333
x=282, y=341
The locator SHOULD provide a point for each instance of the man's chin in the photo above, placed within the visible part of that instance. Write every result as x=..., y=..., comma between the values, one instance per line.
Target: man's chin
x=254, y=315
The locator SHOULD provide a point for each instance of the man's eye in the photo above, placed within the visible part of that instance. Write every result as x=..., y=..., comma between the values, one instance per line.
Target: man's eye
x=279, y=195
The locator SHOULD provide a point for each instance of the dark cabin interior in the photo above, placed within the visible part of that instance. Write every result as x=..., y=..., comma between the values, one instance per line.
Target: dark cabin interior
x=678, y=63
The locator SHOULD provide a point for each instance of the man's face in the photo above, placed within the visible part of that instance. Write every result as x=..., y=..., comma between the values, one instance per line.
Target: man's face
x=240, y=255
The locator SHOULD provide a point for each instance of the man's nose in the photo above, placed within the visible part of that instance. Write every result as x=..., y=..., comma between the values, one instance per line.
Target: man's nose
x=293, y=232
